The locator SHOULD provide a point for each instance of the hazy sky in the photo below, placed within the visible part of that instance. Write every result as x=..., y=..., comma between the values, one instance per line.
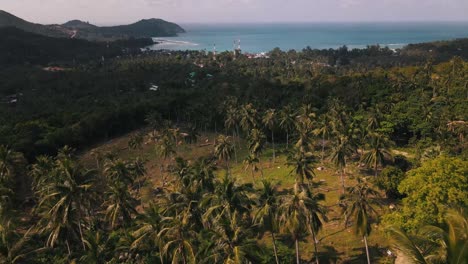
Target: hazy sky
x=124, y=11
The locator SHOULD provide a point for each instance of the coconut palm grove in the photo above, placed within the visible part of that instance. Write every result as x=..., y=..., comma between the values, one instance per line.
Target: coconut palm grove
x=114, y=153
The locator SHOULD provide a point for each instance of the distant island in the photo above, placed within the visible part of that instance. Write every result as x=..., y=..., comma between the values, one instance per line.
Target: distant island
x=145, y=28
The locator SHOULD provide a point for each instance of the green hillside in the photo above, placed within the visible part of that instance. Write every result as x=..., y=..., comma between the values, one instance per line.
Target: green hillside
x=78, y=29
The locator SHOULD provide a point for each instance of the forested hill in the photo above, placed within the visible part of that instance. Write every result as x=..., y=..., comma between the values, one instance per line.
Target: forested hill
x=9, y=20
x=146, y=28
x=20, y=47
x=77, y=29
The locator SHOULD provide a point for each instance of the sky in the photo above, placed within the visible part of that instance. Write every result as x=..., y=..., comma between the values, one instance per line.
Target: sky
x=108, y=12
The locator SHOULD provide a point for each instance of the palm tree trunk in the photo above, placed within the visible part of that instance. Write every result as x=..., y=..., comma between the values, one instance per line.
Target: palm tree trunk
x=298, y=260
x=274, y=247
x=235, y=145
x=273, y=141
x=342, y=181
x=227, y=166
x=375, y=168
x=68, y=248
x=81, y=232
x=315, y=246
x=367, y=250
x=323, y=147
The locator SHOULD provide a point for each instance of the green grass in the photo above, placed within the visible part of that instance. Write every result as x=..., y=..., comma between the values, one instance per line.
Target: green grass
x=337, y=243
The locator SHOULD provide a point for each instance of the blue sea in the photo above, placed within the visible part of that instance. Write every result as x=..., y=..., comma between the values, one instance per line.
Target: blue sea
x=255, y=38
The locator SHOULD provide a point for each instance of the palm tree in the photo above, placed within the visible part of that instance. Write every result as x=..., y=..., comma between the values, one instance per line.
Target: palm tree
x=294, y=216
x=342, y=149
x=224, y=149
x=98, y=248
x=136, y=141
x=359, y=202
x=232, y=122
x=178, y=233
x=146, y=236
x=166, y=149
x=65, y=202
x=119, y=171
x=256, y=140
x=317, y=214
x=266, y=211
x=251, y=161
x=9, y=160
x=432, y=244
x=228, y=197
x=12, y=244
x=287, y=121
x=233, y=241
x=248, y=117
x=324, y=131
x=120, y=204
x=11, y=163
x=420, y=247
x=269, y=121
x=379, y=150
x=302, y=166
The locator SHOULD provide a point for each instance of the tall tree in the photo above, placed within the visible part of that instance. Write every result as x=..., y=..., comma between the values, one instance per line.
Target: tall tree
x=341, y=151
x=379, y=149
x=269, y=120
x=266, y=212
x=359, y=201
x=224, y=149
x=66, y=202
x=287, y=121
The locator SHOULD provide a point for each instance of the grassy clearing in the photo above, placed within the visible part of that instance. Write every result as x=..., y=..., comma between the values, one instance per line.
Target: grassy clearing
x=337, y=244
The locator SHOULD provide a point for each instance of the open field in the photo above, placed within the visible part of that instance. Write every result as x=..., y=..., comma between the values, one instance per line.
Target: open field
x=337, y=244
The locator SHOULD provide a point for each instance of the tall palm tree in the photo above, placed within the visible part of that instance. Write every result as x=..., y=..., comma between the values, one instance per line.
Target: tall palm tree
x=420, y=247
x=342, y=149
x=256, y=141
x=287, y=121
x=12, y=245
x=302, y=164
x=233, y=241
x=228, y=197
x=65, y=203
x=433, y=244
x=294, y=216
x=265, y=215
x=379, y=149
x=120, y=204
x=178, y=233
x=251, y=162
x=166, y=149
x=98, y=248
x=119, y=171
x=269, y=120
x=232, y=122
x=9, y=160
x=224, y=149
x=317, y=214
x=359, y=201
x=11, y=164
x=248, y=117
x=136, y=141
x=149, y=224
x=324, y=131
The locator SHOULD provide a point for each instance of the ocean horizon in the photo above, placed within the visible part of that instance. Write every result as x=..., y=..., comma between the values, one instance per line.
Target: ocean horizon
x=263, y=37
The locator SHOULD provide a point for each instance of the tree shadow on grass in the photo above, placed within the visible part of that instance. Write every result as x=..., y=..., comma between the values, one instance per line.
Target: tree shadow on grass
x=329, y=255
x=374, y=251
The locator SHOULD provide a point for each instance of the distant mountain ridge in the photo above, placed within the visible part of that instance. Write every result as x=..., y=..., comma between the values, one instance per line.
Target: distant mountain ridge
x=146, y=28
